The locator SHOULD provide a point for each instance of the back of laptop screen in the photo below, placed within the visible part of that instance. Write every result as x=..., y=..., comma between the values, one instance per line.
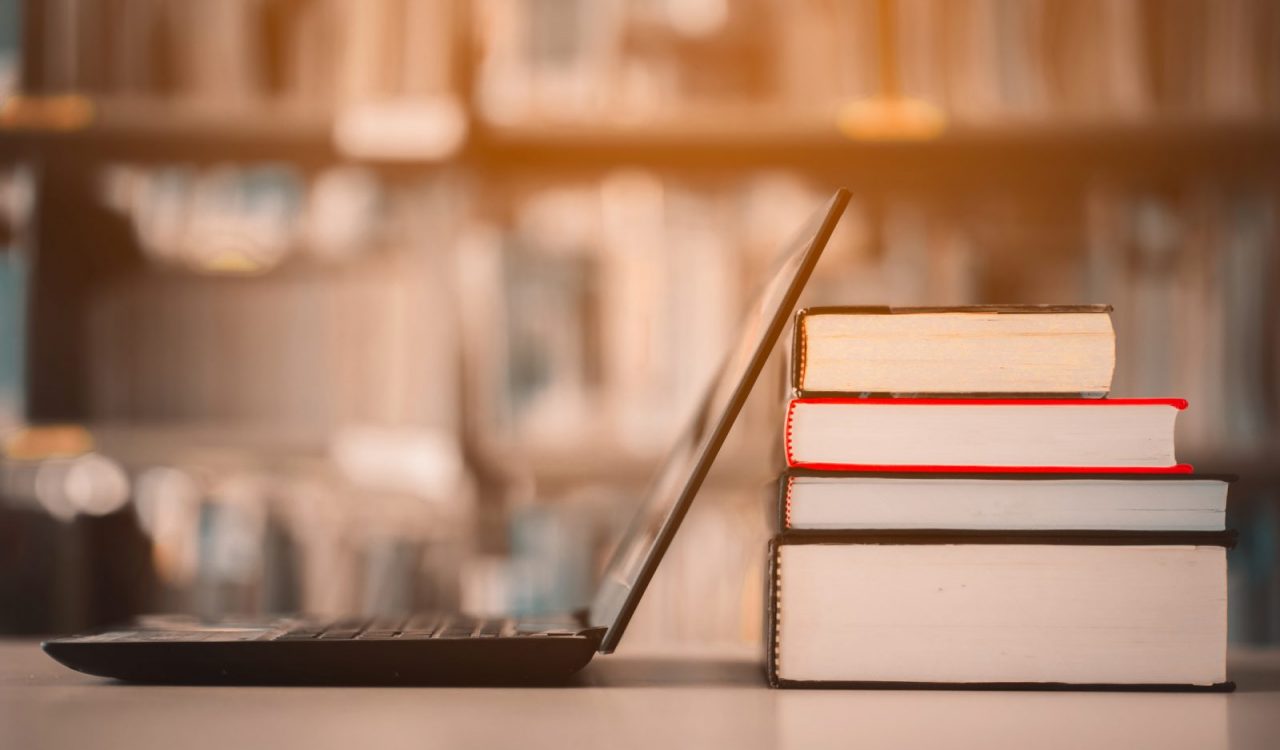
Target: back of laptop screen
x=641, y=546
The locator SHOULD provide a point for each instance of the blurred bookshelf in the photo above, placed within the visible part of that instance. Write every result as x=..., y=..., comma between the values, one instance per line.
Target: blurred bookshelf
x=103, y=131
x=517, y=233
x=1071, y=156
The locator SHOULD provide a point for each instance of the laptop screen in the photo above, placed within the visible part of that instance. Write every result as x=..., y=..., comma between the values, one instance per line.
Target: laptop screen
x=640, y=548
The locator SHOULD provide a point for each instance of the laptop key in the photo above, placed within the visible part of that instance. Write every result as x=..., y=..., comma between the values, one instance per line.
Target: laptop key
x=459, y=630
x=492, y=628
x=298, y=635
x=339, y=634
x=420, y=626
x=345, y=629
x=382, y=628
x=301, y=630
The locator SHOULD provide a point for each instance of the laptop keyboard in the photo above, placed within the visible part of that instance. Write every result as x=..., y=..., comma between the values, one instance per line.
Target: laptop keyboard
x=417, y=627
x=406, y=628
x=421, y=627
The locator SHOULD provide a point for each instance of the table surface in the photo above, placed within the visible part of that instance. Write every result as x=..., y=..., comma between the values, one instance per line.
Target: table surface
x=705, y=700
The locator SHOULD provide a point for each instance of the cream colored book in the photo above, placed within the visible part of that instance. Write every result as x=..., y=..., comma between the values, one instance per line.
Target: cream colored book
x=1019, y=350
x=1000, y=610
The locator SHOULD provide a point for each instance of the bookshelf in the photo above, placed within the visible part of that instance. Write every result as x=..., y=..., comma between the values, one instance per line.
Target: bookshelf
x=1029, y=178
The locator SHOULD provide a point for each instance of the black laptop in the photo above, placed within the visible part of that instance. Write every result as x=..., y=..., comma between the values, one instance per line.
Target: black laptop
x=454, y=649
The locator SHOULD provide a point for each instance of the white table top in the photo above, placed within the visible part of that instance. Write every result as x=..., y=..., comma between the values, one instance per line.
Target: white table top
x=622, y=702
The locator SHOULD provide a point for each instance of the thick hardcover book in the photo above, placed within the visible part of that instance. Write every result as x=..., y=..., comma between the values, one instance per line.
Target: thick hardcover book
x=990, y=350
x=993, y=610
x=1040, y=503
x=983, y=435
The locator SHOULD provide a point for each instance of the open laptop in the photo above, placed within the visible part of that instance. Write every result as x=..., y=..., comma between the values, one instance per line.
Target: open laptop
x=455, y=649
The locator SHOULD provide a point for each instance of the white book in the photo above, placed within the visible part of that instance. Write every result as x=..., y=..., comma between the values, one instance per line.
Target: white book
x=1007, y=614
x=831, y=501
x=1099, y=435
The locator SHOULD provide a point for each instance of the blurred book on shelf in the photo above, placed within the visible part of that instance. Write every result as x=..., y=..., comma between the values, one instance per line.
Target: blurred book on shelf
x=1180, y=260
x=236, y=53
x=10, y=45
x=613, y=300
x=15, y=270
x=973, y=62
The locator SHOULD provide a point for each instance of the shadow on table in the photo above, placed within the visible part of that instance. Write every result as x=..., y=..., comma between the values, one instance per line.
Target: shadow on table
x=1250, y=676
x=670, y=672
x=1256, y=678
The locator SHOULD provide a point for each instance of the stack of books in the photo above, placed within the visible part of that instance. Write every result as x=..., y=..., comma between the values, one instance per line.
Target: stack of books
x=964, y=506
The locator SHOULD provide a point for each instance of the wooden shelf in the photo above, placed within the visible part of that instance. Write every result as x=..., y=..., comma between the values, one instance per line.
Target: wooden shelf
x=959, y=157
x=727, y=142
x=149, y=131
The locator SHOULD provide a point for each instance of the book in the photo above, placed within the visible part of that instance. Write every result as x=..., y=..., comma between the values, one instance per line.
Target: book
x=836, y=501
x=1097, y=610
x=1005, y=349
x=990, y=435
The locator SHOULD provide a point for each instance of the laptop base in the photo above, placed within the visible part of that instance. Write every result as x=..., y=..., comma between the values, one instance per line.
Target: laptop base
x=268, y=655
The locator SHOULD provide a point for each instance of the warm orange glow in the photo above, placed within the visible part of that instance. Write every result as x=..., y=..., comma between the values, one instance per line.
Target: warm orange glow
x=48, y=441
x=231, y=263
x=891, y=119
x=62, y=112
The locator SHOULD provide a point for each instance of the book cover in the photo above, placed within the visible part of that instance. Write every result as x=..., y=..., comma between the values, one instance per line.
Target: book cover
x=1224, y=539
x=786, y=483
x=910, y=414
x=800, y=353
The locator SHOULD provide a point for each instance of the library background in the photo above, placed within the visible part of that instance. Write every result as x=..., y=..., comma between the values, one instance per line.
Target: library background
x=391, y=305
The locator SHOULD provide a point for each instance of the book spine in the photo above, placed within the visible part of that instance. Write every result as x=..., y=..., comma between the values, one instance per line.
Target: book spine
x=771, y=634
x=788, y=426
x=785, y=483
x=798, y=353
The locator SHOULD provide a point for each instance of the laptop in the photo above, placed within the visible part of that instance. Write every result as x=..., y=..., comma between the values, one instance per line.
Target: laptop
x=455, y=649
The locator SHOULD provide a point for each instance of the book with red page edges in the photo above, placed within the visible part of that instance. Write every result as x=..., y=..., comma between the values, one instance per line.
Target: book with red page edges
x=1124, y=435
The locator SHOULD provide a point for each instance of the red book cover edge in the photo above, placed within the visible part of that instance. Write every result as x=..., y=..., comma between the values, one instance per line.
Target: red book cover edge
x=1177, y=403
x=948, y=469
